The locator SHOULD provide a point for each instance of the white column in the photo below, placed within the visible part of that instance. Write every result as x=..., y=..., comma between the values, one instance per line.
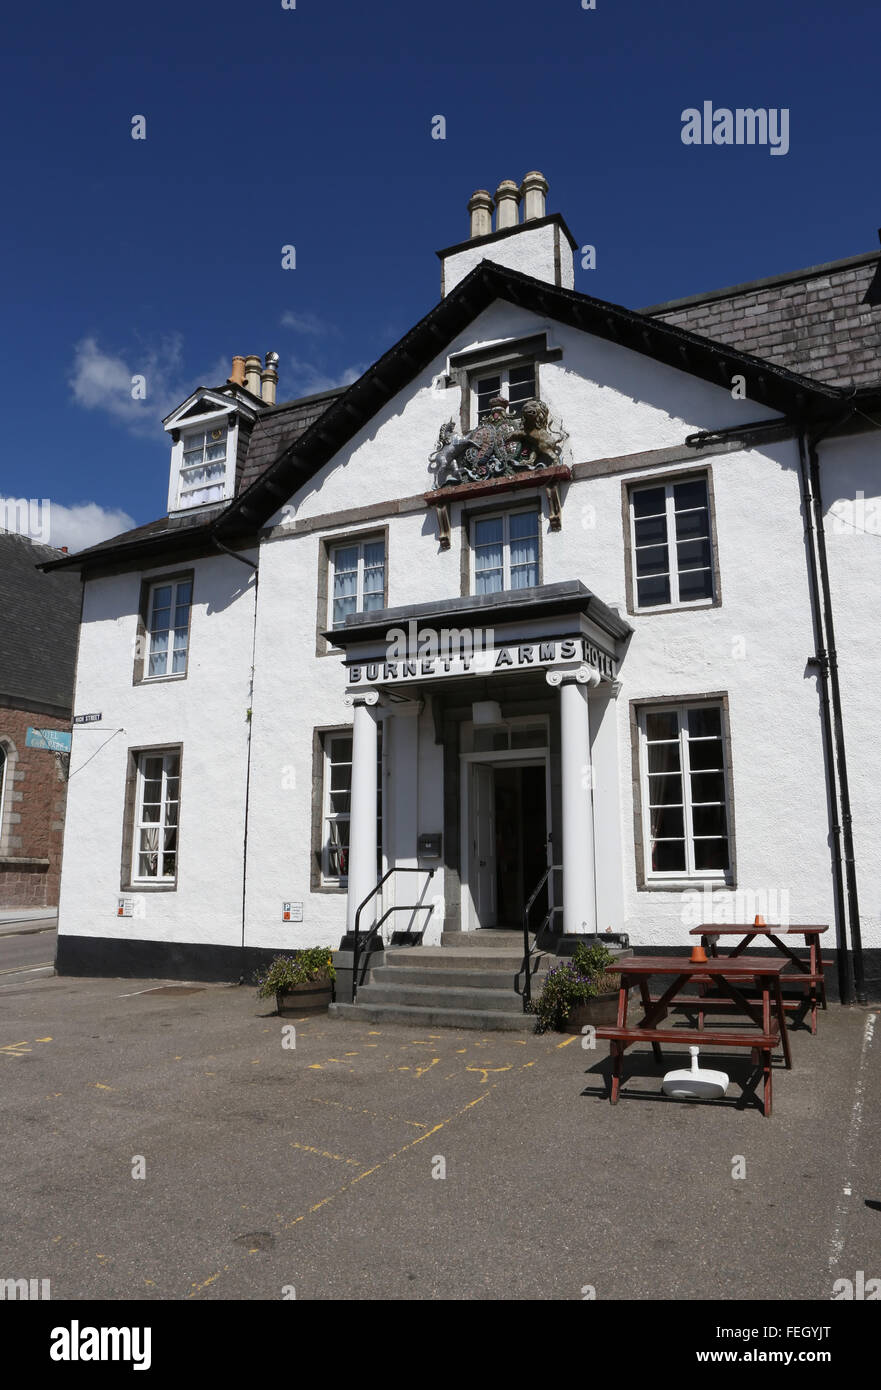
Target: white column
x=579, y=889
x=362, y=823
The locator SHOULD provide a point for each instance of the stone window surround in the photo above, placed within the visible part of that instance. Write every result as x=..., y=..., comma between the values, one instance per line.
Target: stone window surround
x=465, y=367
x=647, y=885
x=316, y=837
x=133, y=757
x=487, y=509
x=630, y=485
x=325, y=545
x=8, y=797
x=142, y=637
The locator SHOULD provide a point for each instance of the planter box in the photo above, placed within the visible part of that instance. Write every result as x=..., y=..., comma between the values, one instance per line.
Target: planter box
x=304, y=999
x=602, y=1009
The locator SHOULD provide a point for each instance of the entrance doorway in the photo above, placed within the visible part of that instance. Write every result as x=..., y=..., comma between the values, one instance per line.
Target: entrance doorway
x=506, y=841
x=521, y=842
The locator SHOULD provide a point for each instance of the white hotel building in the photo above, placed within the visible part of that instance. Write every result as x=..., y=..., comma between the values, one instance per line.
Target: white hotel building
x=654, y=538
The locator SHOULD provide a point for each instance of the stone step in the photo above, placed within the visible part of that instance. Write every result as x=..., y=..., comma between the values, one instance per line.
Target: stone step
x=490, y=938
x=439, y=958
x=432, y=1017
x=446, y=979
x=428, y=996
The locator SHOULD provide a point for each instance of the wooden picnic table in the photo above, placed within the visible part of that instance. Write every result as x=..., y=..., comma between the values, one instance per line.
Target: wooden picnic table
x=811, y=969
x=727, y=974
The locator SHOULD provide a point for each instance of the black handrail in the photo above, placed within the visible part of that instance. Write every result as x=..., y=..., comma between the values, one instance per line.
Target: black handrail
x=527, y=951
x=398, y=869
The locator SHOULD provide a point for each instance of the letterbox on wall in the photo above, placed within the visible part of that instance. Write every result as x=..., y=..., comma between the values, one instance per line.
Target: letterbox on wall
x=430, y=846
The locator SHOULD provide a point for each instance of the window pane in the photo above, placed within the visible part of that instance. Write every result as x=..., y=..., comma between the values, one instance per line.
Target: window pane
x=693, y=555
x=690, y=524
x=489, y=582
x=524, y=524
x=690, y=494
x=374, y=554
x=489, y=532
x=665, y=790
x=667, y=822
x=705, y=722
x=709, y=820
x=345, y=558
x=341, y=750
x=711, y=854
x=705, y=754
x=663, y=757
x=668, y=856
x=662, y=724
x=708, y=786
x=161, y=597
x=653, y=591
x=524, y=576
x=650, y=501
x=652, y=560
x=530, y=736
x=650, y=530
x=695, y=584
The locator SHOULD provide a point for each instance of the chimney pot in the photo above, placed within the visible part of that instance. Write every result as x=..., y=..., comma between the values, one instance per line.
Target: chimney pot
x=480, y=205
x=252, y=373
x=237, y=377
x=269, y=378
x=533, y=190
x=507, y=205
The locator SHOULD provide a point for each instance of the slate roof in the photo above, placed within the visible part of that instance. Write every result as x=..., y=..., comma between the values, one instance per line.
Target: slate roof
x=278, y=427
x=39, y=622
x=812, y=321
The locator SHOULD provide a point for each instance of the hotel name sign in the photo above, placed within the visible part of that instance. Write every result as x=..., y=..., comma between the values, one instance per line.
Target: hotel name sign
x=484, y=661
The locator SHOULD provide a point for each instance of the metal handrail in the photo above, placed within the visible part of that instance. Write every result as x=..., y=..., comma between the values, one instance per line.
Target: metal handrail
x=527, y=950
x=398, y=869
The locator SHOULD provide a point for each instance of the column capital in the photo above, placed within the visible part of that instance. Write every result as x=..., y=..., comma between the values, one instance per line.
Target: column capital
x=581, y=675
x=366, y=697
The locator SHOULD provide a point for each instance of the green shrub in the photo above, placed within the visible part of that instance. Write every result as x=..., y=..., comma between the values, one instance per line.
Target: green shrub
x=574, y=982
x=303, y=968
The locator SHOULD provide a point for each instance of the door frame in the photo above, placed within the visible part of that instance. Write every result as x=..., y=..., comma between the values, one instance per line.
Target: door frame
x=517, y=757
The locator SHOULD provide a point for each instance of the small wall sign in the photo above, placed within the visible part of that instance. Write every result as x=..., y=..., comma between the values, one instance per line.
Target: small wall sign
x=292, y=912
x=125, y=907
x=51, y=740
x=87, y=718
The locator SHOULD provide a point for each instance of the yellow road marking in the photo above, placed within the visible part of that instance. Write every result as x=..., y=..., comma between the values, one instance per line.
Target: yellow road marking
x=323, y=1153
x=486, y=1070
x=356, y=1109
x=99, y=1085
x=567, y=1041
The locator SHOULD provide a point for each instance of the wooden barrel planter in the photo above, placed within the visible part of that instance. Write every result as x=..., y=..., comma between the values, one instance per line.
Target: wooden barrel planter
x=602, y=1009
x=312, y=998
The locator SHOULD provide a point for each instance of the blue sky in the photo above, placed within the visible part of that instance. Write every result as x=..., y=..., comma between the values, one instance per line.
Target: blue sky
x=312, y=127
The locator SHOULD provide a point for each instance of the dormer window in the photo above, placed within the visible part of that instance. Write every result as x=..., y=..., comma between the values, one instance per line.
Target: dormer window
x=203, y=470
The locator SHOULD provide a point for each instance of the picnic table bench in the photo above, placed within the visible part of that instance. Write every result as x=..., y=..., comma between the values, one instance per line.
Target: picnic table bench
x=807, y=974
x=726, y=973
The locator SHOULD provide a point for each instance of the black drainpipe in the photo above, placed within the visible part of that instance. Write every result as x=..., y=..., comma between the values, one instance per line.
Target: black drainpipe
x=826, y=659
x=254, y=567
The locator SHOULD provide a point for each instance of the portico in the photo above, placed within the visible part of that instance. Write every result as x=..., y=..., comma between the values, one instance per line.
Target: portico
x=518, y=690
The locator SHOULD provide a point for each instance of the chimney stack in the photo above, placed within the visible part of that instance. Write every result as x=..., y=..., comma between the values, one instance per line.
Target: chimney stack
x=252, y=373
x=269, y=378
x=507, y=205
x=237, y=377
x=533, y=190
x=480, y=205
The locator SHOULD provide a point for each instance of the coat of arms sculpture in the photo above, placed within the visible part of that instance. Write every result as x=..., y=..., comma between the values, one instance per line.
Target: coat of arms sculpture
x=500, y=446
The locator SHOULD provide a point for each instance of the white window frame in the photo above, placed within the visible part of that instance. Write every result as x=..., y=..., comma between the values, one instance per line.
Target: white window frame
x=173, y=584
x=140, y=824
x=668, y=483
x=689, y=873
x=504, y=514
x=479, y=374
x=360, y=540
x=200, y=424
x=329, y=880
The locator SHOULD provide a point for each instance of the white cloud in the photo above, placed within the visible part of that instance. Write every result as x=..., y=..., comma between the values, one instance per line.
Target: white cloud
x=50, y=523
x=308, y=323
x=105, y=381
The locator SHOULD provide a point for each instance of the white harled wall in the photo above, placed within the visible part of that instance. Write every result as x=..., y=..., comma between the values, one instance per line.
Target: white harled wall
x=207, y=713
